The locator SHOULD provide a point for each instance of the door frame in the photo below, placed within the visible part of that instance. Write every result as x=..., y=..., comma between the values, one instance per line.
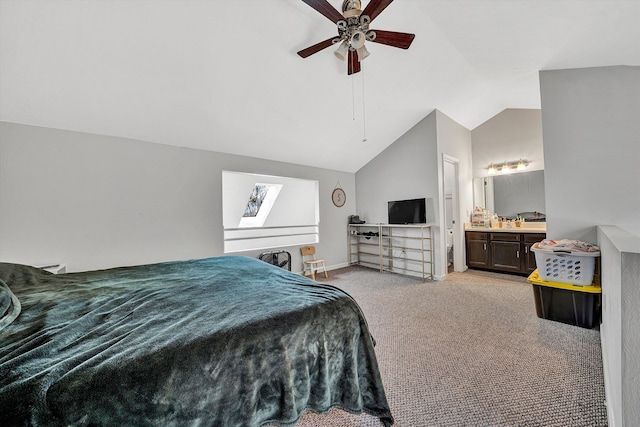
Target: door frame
x=458, y=253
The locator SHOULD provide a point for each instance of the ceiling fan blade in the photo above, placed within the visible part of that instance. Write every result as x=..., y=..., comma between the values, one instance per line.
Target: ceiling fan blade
x=326, y=9
x=316, y=47
x=392, y=38
x=374, y=8
x=354, y=64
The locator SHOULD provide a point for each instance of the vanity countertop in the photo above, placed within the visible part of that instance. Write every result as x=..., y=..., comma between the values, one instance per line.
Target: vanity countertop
x=527, y=227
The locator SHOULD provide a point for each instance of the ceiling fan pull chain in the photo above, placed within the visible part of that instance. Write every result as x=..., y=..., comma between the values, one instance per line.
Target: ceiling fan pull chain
x=364, y=124
x=353, y=97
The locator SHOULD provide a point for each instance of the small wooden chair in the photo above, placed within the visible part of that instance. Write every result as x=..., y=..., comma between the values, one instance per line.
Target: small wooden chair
x=310, y=261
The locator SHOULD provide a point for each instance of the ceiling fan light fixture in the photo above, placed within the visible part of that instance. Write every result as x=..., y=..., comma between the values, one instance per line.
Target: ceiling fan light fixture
x=362, y=53
x=357, y=39
x=341, y=52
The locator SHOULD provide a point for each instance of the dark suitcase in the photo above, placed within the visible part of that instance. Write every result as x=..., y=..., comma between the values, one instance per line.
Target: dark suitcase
x=280, y=259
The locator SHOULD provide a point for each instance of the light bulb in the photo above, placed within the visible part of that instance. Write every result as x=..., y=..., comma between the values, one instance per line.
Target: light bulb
x=362, y=53
x=341, y=52
x=357, y=40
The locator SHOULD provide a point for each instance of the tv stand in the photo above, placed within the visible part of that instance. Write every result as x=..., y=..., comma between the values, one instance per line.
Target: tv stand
x=399, y=248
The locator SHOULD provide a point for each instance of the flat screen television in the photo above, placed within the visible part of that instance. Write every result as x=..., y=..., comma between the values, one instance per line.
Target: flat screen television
x=408, y=211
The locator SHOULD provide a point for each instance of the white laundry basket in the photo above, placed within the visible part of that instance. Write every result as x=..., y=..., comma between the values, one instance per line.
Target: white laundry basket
x=565, y=266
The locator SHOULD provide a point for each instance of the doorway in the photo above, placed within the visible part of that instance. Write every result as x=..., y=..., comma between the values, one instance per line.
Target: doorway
x=451, y=224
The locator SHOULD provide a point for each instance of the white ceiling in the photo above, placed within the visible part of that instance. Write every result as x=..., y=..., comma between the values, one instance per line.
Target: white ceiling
x=223, y=75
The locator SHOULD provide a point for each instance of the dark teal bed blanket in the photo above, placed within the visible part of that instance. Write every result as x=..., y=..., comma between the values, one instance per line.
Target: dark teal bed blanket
x=227, y=341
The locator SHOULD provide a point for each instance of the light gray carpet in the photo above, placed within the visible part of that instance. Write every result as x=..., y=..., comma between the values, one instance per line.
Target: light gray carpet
x=470, y=351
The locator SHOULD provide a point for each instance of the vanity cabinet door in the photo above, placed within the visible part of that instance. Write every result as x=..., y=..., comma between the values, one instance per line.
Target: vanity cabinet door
x=477, y=249
x=529, y=255
x=506, y=256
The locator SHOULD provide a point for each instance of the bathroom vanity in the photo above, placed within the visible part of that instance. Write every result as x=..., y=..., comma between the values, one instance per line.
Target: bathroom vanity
x=503, y=249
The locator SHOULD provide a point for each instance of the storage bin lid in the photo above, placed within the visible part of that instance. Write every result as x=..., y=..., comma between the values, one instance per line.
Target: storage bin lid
x=535, y=279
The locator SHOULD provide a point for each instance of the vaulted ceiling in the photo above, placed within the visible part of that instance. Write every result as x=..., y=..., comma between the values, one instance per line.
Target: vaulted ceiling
x=223, y=75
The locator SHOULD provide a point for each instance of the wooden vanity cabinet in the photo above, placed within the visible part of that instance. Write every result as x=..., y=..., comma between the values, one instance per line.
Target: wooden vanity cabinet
x=477, y=249
x=502, y=251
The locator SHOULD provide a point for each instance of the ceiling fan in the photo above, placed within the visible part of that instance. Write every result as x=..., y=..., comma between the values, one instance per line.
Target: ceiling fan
x=354, y=31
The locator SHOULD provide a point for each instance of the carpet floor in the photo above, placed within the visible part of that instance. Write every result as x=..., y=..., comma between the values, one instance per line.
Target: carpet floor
x=470, y=351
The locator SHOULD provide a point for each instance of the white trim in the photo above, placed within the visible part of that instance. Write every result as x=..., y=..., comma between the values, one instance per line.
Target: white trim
x=458, y=247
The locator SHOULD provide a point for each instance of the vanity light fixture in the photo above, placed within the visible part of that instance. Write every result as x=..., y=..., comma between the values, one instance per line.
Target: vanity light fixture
x=507, y=167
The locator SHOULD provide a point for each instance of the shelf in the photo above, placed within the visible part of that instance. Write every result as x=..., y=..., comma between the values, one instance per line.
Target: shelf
x=403, y=248
x=414, y=242
x=368, y=263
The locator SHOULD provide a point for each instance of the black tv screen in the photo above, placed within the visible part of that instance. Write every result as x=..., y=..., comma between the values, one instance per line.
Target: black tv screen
x=407, y=211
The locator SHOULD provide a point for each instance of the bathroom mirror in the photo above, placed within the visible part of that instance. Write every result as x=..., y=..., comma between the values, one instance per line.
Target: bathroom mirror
x=512, y=194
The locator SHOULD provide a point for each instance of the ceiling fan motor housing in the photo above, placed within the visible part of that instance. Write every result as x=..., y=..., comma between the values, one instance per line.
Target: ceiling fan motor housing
x=351, y=8
x=355, y=31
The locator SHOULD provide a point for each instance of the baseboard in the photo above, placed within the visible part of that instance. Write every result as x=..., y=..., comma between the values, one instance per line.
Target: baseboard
x=337, y=266
x=346, y=264
x=329, y=267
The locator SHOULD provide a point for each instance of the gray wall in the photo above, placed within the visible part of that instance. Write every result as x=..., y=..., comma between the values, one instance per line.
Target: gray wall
x=412, y=167
x=591, y=131
x=621, y=323
x=404, y=170
x=509, y=136
x=94, y=201
x=454, y=140
x=591, y=136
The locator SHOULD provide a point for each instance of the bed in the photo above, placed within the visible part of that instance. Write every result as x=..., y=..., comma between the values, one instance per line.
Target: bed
x=226, y=341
